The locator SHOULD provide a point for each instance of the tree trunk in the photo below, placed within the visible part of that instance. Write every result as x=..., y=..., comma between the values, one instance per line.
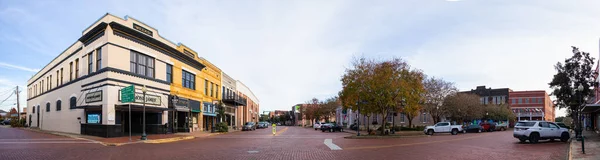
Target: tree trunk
x=384, y=120
x=410, y=118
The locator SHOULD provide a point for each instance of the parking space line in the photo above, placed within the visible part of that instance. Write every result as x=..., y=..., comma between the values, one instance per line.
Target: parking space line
x=281, y=131
x=329, y=143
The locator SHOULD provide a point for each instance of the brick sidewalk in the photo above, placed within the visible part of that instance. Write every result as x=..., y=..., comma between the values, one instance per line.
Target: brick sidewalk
x=118, y=141
x=592, y=147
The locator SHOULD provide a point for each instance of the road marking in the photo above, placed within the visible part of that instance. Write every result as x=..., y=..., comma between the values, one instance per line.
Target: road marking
x=329, y=143
x=410, y=144
x=281, y=131
x=251, y=152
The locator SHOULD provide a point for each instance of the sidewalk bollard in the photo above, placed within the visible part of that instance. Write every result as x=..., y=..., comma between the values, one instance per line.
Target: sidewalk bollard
x=274, y=129
x=582, y=144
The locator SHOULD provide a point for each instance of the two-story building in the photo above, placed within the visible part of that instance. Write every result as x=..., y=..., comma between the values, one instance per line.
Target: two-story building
x=87, y=77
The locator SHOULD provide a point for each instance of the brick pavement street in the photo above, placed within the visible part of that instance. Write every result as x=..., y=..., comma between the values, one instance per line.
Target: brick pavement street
x=290, y=143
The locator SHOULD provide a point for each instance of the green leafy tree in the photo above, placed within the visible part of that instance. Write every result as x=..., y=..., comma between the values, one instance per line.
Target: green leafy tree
x=379, y=86
x=576, y=71
x=463, y=107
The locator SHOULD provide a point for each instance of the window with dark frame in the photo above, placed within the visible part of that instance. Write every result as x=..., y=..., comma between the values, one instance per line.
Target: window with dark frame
x=72, y=103
x=169, y=73
x=90, y=63
x=57, y=78
x=47, y=107
x=50, y=82
x=141, y=64
x=61, y=76
x=188, y=79
x=77, y=68
x=98, y=59
x=70, y=71
x=206, y=87
x=33, y=109
x=58, y=105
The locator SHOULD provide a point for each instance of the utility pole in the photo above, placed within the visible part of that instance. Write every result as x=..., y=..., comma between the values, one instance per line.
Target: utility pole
x=18, y=107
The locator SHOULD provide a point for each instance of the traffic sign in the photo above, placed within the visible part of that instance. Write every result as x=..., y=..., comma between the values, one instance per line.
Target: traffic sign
x=128, y=94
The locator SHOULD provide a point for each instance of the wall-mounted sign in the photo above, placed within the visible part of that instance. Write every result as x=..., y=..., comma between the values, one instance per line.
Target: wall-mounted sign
x=93, y=97
x=142, y=29
x=93, y=118
x=150, y=99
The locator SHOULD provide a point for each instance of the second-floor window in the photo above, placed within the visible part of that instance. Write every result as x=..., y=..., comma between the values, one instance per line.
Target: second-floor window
x=141, y=64
x=169, y=73
x=206, y=87
x=70, y=71
x=61, y=76
x=77, y=68
x=90, y=63
x=188, y=79
x=98, y=59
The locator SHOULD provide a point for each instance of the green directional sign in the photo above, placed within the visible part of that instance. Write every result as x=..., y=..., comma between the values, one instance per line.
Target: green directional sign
x=128, y=94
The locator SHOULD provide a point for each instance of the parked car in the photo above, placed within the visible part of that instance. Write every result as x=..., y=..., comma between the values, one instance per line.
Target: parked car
x=562, y=125
x=262, y=125
x=472, y=129
x=317, y=125
x=6, y=122
x=331, y=127
x=539, y=130
x=443, y=127
x=501, y=127
x=488, y=127
x=249, y=126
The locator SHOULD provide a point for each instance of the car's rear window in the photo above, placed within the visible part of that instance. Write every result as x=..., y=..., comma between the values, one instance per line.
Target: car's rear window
x=525, y=124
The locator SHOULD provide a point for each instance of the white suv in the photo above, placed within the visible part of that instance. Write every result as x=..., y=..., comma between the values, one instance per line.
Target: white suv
x=539, y=130
x=317, y=125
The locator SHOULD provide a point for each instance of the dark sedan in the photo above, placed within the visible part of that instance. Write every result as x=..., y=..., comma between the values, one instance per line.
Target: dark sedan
x=331, y=127
x=249, y=126
x=472, y=129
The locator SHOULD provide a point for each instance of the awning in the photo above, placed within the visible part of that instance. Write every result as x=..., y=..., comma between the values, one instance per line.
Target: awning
x=89, y=107
x=135, y=107
x=591, y=108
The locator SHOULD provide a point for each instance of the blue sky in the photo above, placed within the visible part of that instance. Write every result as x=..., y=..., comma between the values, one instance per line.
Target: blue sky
x=290, y=51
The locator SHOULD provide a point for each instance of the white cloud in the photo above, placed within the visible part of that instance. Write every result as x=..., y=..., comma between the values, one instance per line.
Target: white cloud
x=6, y=65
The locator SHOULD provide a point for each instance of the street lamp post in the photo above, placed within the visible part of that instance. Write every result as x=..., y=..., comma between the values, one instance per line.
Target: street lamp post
x=144, y=113
x=580, y=119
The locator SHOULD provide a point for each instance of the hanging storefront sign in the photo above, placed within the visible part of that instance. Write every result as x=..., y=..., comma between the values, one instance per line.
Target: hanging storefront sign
x=150, y=99
x=93, y=97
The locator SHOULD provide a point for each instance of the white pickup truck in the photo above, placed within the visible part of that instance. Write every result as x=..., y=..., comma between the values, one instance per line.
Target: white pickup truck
x=443, y=127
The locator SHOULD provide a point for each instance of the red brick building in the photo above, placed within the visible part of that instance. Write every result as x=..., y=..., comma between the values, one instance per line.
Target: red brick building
x=532, y=105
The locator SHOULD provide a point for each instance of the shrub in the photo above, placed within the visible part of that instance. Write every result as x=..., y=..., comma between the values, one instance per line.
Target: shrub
x=222, y=127
x=17, y=123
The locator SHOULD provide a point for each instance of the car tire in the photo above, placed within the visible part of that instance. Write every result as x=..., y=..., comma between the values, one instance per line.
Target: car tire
x=464, y=131
x=330, y=130
x=322, y=130
x=341, y=130
x=430, y=132
x=522, y=140
x=534, y=138
x=479, y=131
x=564, y=137
x=502, y=129
x=315, y=129
x=454, y=131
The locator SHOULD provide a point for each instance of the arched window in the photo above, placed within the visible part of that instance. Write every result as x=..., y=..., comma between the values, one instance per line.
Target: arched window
x=73, y=103
x=47, y=107
x=33, y=109
x=58, y=105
